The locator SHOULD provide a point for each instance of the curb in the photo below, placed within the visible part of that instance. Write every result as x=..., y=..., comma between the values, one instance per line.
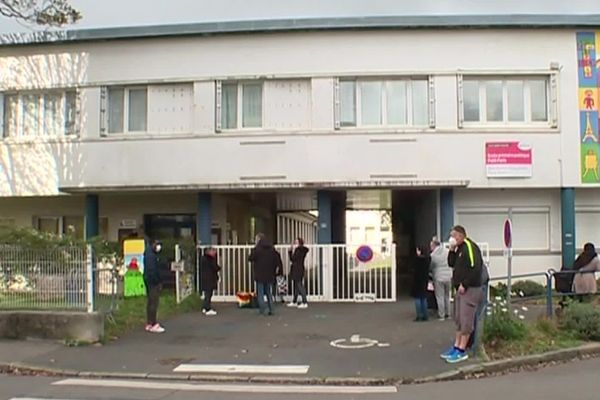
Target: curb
x=468, y=372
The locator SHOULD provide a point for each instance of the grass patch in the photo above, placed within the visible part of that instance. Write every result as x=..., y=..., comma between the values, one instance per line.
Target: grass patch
x=539, y=337
x=131, y=313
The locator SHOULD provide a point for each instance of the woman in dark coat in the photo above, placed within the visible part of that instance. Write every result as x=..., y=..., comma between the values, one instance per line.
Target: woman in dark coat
x=419, y=285
x=209, y=279
x=297, y=256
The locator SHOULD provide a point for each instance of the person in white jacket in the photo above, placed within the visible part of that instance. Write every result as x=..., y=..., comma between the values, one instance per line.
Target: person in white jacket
x=442, y=278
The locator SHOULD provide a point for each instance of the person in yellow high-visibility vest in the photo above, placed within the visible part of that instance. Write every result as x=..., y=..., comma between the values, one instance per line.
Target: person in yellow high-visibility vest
x=467, y=262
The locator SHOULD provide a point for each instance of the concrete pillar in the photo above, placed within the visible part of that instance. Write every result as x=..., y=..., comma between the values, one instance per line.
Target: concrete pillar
x=204, y=219
x=91, y=216
x=338, y=218
x=324, y=235
x=567, y=208
x=446, y=212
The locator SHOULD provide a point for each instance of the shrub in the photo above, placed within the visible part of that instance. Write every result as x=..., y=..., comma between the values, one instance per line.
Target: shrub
x=502, y=326
x=498, y=290
x=528, y=289
x=583, y=320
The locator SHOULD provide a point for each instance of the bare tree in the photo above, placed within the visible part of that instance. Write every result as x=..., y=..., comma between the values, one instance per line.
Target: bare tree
x=52, y=13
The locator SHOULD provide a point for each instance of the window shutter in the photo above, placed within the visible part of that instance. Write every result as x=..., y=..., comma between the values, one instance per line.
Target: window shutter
x=218, y=105
x=103, y=110
x=554, y=100
x=431, y=90
x=461, y=110
x=337, y=111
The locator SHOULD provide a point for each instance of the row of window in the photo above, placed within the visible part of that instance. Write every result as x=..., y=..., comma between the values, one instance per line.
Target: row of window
x=240, y=105
x=40, y=114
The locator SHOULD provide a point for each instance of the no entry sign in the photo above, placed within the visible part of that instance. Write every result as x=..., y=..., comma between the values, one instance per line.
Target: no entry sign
x=508, y=233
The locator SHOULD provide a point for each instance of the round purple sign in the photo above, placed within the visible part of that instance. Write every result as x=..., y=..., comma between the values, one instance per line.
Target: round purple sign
x=508, y=233
x=364, y=254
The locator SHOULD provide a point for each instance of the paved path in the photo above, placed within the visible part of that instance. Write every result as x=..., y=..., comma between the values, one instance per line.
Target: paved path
x=574, y=381
x=292, y=337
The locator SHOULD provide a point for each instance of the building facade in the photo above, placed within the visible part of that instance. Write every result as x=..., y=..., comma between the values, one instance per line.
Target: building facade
x=212, y=131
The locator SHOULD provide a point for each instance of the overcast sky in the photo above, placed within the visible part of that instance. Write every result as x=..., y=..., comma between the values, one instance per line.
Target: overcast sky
x=110, y=13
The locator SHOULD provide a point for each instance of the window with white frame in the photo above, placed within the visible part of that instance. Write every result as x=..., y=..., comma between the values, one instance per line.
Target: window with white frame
x=239, y=105
x=127, y=109
x=383, y=103
x=73, y=225
x=39, y=113
x=514, y=100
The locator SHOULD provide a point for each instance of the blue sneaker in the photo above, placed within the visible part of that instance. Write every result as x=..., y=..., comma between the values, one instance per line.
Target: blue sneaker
x=458, y=356
x=448, y=353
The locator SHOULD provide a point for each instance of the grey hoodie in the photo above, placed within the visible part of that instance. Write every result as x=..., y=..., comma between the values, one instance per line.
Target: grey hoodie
x=439, y=265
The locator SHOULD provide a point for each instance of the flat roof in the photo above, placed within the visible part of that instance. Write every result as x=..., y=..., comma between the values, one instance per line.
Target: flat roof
x=507, y=21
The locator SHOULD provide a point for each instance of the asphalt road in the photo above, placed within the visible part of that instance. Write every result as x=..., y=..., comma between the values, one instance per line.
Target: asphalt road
x=575, y=381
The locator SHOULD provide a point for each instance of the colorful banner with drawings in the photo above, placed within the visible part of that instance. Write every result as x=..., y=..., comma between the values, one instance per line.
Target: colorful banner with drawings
x=588, y=66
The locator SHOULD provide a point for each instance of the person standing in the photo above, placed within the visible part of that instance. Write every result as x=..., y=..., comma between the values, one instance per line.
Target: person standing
x=586, y=264
x=297, y=256
x=466, y=260
x=153, y=282
x=419, y=286
x=210, y=278
x=266, y=262
x=442, y=278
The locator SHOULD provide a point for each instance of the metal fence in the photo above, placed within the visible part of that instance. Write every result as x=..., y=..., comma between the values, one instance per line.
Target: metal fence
x=108, y=286
x=46, y=279
x=558, y=287
x=333, y=273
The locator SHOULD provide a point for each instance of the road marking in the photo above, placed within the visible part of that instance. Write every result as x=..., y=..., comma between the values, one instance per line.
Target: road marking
x=228, y=388
x=243, y=369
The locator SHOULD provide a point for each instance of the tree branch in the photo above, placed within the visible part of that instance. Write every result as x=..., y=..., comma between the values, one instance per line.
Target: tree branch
x=53, y=13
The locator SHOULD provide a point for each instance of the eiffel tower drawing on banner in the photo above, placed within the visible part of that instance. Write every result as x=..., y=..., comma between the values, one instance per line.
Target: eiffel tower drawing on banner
x=589, y=131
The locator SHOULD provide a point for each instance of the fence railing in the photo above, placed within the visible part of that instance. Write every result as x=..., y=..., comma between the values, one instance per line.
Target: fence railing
x=46, y=279
x=558, y=285
x=332, y=273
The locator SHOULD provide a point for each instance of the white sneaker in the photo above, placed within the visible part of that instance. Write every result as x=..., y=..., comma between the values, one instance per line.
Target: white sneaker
x=157, y=329
x=203, y=311
x=210, y=313
x=292, y=305
x=303, y=306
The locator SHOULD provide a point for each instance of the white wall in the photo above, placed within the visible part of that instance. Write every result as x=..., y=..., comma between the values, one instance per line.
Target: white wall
x=307, y=151
x=536, y=226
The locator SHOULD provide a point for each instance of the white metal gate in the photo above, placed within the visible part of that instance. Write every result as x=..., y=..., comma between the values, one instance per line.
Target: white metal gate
x=333, y=273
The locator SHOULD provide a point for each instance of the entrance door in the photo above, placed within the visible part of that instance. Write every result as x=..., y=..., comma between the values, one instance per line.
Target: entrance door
x=414, y=223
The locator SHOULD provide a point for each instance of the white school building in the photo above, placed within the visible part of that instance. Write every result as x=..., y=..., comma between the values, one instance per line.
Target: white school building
x=216, y=131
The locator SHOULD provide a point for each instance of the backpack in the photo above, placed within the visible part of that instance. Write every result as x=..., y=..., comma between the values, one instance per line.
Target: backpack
x=563, y=281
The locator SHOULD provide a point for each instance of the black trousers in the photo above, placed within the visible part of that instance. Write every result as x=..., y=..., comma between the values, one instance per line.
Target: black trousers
x=208, y=294
x=152, y=304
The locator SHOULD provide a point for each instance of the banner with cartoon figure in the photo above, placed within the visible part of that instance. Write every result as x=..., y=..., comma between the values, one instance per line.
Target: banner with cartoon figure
x=588, y=66
x=133, y=255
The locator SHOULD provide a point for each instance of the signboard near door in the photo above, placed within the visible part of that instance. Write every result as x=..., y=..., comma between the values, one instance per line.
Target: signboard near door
x=508, y=160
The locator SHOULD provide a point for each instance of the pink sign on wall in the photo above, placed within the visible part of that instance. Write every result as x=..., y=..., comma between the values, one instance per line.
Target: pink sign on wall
x=508, y=160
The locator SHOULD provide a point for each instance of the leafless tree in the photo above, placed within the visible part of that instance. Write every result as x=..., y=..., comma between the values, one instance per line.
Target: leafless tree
x=51, y=13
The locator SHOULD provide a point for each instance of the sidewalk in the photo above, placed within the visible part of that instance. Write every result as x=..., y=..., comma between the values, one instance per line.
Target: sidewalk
x=291, y=337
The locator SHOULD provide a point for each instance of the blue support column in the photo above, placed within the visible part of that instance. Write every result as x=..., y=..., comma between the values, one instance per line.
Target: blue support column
x=324, y=205
x=446, y=212
x=91, y=216
x=204, y=219
x=567, y=208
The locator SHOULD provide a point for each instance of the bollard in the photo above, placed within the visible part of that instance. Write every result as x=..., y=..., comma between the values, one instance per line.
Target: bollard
x=549, y=275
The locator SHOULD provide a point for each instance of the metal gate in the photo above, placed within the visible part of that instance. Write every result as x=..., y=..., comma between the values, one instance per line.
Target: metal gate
x=333, y=273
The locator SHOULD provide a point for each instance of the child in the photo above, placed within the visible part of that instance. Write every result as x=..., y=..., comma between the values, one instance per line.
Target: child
x=419, y=286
